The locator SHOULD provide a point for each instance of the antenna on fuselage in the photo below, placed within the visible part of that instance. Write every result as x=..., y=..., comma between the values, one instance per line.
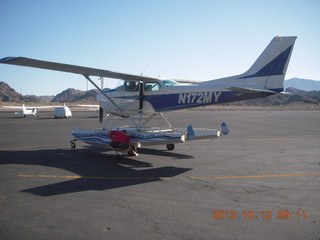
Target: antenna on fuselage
x=141, y=74
x=163, y=71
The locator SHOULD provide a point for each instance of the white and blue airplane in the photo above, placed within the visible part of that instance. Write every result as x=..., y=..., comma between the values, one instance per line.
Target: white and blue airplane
x=141, y=99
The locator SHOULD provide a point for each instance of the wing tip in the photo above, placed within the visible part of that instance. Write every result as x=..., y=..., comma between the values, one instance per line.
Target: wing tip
x=8, y=59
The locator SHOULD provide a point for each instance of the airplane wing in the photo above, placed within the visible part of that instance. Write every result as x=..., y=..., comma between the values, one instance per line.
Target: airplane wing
x=86, y=71
x=44, y=107
x=89, y=106
x=33, y=107
x=13, y=107
x=186, y=81
x=86, y=106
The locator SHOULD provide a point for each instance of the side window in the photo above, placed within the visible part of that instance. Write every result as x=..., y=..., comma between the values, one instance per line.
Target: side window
x=151, y=86
x=131, y=86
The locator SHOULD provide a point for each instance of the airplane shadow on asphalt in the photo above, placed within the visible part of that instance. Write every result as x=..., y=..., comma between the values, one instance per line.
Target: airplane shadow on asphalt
x=95, y=170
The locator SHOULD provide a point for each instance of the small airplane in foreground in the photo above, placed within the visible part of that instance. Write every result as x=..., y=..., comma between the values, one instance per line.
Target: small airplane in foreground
x=141, y=99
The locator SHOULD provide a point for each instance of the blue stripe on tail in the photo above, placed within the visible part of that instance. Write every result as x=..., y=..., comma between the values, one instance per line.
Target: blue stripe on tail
x=275, y=67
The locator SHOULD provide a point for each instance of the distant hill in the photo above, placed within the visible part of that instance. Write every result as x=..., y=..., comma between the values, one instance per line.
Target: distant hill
x=302, y=84
x=8, y=94
x=73, y=95
x=47, y=98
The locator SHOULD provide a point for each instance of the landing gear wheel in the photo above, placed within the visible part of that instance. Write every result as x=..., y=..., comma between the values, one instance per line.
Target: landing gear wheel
x=133, y=151
x=170, y=147
x=73, y=144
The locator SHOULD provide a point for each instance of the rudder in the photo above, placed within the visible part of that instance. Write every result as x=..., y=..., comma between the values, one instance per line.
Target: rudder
x=271, y=65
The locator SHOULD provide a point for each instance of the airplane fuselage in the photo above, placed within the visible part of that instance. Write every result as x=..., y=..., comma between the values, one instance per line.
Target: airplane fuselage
x=174, y=97
x=27, y=111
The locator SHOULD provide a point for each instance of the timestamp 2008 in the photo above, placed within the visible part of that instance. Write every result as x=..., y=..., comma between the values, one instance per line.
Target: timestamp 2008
x=265, y=214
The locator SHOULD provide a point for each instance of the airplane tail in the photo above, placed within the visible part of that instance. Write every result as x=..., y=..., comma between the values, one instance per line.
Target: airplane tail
x=23, y=109
x=269, y=70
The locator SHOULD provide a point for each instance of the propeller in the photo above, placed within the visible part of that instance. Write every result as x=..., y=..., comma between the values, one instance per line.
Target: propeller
x=101, y=114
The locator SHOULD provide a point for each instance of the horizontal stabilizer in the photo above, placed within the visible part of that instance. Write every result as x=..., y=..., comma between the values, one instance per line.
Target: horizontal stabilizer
x=251, y=90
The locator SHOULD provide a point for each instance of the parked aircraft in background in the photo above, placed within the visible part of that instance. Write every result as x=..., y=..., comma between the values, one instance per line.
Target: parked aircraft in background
x=25, y=110
x=140, y=98
x=59, y=111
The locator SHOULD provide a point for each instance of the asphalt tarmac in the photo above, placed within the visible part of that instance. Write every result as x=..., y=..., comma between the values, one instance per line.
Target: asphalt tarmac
x=262, y=181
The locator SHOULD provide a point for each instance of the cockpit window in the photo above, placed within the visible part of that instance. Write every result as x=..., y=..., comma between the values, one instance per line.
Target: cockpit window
x=169, y=83
x=131, y=86
x=151, y=86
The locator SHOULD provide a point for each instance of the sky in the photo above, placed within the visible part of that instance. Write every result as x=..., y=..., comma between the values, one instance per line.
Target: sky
x=189, y=39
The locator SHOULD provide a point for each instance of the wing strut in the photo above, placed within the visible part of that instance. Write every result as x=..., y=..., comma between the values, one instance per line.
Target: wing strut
x=87, y=77
x=140, y=95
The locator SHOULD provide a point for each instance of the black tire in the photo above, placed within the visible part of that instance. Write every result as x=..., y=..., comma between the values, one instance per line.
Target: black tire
x=73, y=145
x=170, y=147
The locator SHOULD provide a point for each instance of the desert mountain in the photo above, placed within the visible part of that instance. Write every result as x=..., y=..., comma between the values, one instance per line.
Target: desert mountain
x=302, y=84
x=73, y=95
x=8, y=94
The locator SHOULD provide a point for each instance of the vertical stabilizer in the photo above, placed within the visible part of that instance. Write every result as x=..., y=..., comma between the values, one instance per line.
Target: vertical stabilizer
x=269, y=69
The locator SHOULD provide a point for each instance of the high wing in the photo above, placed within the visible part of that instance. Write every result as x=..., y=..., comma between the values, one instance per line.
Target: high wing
x=186, y=81
x=85, y=71
x=87, y=105
x=13, y=107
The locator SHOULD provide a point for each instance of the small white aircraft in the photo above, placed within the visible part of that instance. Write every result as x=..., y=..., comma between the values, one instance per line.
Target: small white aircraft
x=59, y=111
x=141, y=99
x=25, y=110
